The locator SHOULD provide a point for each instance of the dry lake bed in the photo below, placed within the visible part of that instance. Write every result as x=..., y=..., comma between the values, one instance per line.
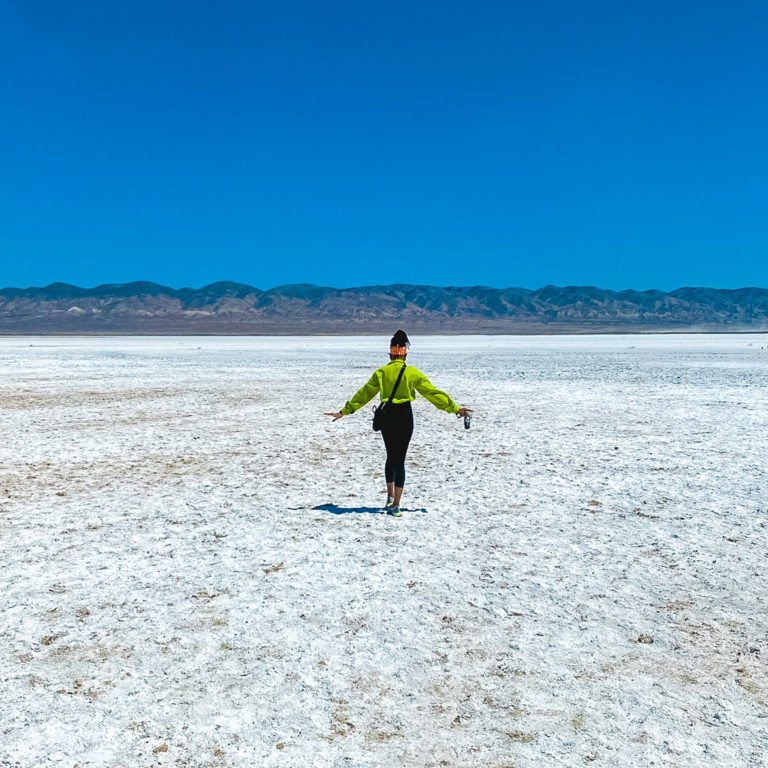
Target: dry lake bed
x=195, y=573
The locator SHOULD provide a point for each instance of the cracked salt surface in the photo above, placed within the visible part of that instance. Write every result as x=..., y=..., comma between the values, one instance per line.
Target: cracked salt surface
x=192, y=574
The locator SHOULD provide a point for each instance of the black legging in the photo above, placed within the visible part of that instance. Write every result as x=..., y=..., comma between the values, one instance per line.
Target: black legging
x=397, y=436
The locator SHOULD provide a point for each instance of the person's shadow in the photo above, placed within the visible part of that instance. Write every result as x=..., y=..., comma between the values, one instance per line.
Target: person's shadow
x=334, y=510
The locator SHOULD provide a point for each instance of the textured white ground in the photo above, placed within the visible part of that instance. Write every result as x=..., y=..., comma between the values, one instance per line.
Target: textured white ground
x=193, y=573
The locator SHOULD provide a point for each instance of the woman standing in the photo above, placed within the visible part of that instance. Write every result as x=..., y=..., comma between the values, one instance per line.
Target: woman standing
x=398, y=427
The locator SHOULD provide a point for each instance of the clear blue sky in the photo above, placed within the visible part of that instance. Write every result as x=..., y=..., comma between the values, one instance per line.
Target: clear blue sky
x=494, y=142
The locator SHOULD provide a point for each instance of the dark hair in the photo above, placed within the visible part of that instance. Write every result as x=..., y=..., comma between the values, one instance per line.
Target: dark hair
x=400, y=339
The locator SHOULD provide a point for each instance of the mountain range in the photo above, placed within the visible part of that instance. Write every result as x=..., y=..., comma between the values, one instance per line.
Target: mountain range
x=234, y=308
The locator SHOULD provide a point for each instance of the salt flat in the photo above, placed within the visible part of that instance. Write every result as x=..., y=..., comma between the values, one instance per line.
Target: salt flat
x=193, y=573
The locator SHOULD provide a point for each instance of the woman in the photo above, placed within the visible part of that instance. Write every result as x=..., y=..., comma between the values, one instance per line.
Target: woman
x=399, y=422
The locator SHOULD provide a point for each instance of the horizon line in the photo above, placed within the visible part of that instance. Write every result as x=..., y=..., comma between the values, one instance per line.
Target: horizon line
x=62, y=284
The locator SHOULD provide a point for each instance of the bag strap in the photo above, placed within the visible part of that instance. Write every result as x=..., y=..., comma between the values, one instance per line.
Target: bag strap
x=399, y=376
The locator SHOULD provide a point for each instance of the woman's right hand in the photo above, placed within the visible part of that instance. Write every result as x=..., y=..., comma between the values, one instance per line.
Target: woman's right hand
x=464, y=412
x=336, y=416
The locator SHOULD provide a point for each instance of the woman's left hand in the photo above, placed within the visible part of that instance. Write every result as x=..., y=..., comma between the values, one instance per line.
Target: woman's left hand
x=464, y=412
x=336, y=416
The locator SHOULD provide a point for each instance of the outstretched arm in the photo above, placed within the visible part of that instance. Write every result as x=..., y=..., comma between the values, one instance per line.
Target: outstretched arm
x=437, y=397
x=359, y=399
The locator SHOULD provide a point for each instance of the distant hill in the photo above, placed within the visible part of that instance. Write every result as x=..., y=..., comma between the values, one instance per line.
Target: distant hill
x=235, y=308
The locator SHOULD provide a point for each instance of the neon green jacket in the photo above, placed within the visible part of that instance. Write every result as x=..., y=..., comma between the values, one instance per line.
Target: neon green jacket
x=383, y=381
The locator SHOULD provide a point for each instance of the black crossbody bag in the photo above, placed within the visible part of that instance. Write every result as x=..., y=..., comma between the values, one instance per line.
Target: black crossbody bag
x=380, y=411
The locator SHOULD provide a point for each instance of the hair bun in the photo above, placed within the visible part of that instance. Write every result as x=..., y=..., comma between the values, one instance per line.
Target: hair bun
x=400, y=339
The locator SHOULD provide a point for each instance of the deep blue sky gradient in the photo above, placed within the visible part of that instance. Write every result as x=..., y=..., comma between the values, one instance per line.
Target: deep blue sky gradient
x=347, y=143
